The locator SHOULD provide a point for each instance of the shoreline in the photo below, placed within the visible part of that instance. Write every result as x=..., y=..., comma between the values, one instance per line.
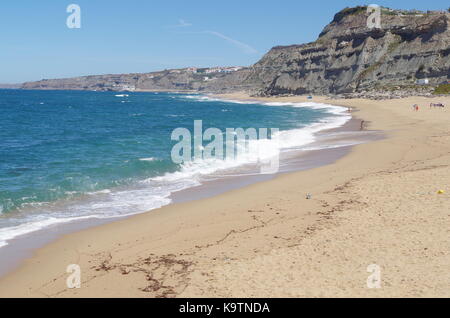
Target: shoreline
x=22, y=247
x=199, y=243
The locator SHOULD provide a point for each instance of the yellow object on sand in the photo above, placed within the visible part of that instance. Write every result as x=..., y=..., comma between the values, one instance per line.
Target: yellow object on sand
x=441, y=192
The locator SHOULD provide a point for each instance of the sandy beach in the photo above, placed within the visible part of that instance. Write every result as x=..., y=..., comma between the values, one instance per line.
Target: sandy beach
x=377, y=205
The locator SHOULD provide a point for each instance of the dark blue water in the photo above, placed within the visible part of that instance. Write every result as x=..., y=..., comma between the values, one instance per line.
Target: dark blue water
x=67, y=154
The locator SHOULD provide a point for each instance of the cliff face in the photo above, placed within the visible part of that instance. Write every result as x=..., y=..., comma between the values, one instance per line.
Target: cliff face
x=349, y=57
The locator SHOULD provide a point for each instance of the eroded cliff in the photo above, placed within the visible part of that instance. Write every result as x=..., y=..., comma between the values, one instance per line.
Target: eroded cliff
x=348, y=56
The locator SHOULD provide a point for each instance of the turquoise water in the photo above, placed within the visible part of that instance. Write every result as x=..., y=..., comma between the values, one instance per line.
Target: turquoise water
x=67, y=155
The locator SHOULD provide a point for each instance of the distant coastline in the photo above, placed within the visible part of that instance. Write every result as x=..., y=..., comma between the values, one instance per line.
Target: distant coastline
x=10, y=86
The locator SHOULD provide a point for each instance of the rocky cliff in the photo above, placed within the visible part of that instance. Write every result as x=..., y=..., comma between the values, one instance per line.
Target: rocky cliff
x=347, y=57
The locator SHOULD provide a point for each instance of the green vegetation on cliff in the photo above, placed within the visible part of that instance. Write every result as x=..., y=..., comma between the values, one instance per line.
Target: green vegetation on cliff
x=442, y=89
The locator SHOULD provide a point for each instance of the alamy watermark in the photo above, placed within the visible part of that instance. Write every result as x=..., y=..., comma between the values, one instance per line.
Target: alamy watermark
x=74, y=279
x=74, y=19
x=374, y=19
x=374, y=279
x=259, y=146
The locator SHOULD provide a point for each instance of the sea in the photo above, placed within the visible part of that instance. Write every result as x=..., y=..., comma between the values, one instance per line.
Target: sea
x=78, y=155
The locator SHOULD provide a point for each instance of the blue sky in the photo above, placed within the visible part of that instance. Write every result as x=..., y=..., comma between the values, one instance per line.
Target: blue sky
x=142, y=36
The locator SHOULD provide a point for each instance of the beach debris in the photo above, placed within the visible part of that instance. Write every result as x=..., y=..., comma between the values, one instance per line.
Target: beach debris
x=308, y=196
x=441, y=192
x=255, y=211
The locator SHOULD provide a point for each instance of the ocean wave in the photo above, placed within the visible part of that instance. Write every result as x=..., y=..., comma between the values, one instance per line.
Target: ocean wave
x=266, y=149
x=332, y=109
x=148, y=159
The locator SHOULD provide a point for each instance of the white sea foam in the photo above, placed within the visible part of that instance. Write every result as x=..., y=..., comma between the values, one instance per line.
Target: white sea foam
x=102, y=191
x=148, y=159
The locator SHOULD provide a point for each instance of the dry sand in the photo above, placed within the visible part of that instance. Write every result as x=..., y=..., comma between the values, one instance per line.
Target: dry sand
x=377, y=205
